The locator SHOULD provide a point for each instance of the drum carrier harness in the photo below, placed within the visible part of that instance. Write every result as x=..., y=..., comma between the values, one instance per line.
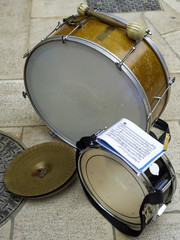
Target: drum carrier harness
x=151, y=198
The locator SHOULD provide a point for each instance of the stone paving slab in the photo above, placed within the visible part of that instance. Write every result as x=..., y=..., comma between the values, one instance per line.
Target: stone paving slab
x=175, y=4
x=14, y=16
x=174, y=207
x=66, y=215
x=170, y=57
x=14, y=132
x=172, y=110
x=173, y=41
x=5, y=231
x=166, y=227
x=40, y=28
x=173, y=152
x=16, y=110
x=164, y=21
x=132, y=17
x=13, y=47
x=54, y=8
x=37, y=135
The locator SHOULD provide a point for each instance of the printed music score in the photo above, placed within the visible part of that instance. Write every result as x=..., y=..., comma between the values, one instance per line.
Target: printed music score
x=132, y=144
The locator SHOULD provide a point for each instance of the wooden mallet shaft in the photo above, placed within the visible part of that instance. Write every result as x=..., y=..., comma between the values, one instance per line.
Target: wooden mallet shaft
x=135, y=31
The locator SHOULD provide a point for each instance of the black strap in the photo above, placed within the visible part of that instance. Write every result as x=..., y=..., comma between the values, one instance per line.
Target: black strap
x=83, y=143
x=162, y=125
x=152, y=198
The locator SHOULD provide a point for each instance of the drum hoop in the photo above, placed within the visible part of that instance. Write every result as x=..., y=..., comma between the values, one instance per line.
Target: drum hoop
x=141, y=179
x=106, y=53
x=157, y=52
x=100, y=203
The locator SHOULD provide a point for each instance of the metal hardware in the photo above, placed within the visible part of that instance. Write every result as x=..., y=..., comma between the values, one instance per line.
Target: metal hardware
x=159, y=98
x=78, y=26
x=71, y=21
x=55, y=29
x=26, y=54
x=100, y=131
x=42, y=173
x=148, y=32
x=52, y=134
x=119, y=64
x=43, y=39
x=161, y=210
x=24, y=94
x=168, y=184
x=148, y=212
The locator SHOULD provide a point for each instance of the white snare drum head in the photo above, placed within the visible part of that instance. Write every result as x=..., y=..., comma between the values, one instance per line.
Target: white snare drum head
x=77, y=90
x=112, y=184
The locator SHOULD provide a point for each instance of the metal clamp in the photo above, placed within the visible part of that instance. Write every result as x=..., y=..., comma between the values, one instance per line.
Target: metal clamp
x=78, y=26
x=24, y=94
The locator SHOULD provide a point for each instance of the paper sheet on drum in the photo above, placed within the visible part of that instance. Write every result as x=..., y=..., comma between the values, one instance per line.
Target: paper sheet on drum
x=132, y=144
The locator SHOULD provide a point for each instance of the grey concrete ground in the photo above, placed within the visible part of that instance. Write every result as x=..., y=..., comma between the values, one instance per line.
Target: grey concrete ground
x=68, y=215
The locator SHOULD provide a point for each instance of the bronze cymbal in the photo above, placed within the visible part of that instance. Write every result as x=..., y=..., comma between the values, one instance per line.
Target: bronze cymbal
x=41, y=170
x=62, y=187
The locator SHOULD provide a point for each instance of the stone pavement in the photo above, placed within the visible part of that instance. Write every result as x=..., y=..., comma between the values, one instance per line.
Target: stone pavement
x=68, y=215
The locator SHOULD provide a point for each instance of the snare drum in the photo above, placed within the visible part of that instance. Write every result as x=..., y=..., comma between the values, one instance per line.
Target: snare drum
x=86, y=77
x=129, y=201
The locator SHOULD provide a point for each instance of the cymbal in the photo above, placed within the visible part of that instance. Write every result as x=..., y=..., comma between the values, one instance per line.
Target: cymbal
x=41, y=170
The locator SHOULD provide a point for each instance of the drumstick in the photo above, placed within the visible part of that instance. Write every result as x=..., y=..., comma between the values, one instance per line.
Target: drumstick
x=135, y=31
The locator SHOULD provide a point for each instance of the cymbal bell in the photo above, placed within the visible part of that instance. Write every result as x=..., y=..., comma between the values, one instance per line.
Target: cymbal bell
x=41, y=170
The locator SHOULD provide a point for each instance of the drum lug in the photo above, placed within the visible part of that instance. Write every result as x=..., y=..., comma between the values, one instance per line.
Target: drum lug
x=119, y=65
x=52, y=134
x=171, y=81
x=26, y=54
x=149, y=116
x=24, y=94
x=76, y=27
x=63, y=39
x=148, y=32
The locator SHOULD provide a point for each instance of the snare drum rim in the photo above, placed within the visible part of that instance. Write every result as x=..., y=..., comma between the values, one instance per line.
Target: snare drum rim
x=143, y=185
x=107, y=54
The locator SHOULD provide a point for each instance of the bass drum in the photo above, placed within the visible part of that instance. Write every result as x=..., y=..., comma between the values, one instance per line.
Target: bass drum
x=83, y=79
